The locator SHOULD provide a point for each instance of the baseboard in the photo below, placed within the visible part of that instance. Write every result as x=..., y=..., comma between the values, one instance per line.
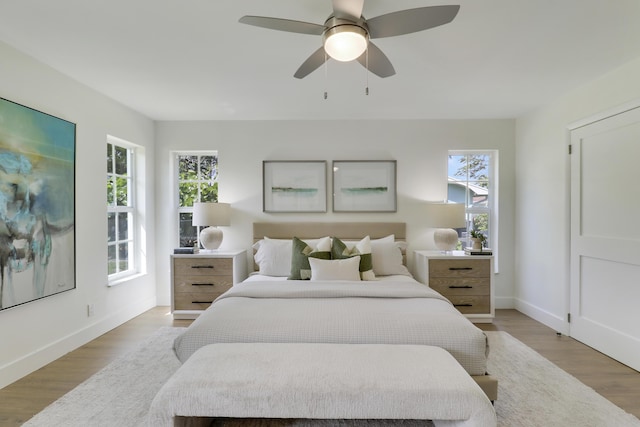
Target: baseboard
x=35, y=360
x=551, y=320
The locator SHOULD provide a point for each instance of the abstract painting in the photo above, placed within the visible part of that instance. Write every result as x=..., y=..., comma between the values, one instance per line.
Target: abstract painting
x=364, y=186
x=294, y=186
x=37, y=204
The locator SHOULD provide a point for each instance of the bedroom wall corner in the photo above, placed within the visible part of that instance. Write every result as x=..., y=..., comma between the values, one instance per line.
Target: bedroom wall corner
x=36, y=333
x=542, y=242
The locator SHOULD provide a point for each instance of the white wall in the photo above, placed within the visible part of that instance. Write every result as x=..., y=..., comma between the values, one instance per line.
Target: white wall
x=542, y=203
x=420, y=148
x=36, y=333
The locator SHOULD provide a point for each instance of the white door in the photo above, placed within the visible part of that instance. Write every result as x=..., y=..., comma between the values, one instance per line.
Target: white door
x=605, y=236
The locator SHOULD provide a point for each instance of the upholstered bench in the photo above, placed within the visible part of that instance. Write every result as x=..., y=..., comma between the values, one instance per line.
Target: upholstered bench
x=322, y=381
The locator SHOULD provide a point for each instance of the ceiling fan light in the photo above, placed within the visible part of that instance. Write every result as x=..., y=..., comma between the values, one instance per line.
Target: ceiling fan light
x=345, y=42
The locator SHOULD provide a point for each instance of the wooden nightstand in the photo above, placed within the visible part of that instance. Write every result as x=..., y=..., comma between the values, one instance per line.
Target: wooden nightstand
x=465, y=280
x=198, y=279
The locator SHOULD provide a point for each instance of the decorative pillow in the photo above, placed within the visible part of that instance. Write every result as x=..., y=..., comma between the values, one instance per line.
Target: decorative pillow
x=387, y=257
x=337, y=269
x=340, y=250
x=273, y=256
x=302, y=252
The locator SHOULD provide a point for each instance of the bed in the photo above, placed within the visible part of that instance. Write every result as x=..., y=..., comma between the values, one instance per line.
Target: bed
x=314, y=297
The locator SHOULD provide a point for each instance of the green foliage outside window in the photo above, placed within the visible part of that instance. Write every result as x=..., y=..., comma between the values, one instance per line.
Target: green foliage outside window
x=197, y=182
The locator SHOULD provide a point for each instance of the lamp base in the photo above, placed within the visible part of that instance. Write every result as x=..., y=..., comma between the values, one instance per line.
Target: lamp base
x=446, y=239
x=211, y=238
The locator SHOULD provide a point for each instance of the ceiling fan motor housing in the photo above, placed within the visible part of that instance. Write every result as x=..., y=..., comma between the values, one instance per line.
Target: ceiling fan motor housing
x=344, y=39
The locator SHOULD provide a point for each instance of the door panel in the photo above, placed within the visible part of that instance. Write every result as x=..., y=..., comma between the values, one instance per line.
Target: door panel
x=605, y=236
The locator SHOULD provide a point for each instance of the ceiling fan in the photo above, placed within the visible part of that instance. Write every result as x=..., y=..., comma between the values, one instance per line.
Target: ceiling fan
x=347, y=34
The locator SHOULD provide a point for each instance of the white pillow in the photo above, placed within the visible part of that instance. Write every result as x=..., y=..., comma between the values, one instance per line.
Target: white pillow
x=387, y=257
x=273, y=256
x=336, y=269
x=341, y=250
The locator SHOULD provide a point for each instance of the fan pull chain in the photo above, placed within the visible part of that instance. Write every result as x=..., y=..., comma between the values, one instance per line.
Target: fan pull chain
x=326, y=78
x=366, y=90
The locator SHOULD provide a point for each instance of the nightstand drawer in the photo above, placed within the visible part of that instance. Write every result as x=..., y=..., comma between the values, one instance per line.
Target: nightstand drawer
x=198, y=279
x=203, y=267
x=462, y=286
x=459, y=268
x=465, y=280
x=471, y=304
x=194, y=301
x=199, y=284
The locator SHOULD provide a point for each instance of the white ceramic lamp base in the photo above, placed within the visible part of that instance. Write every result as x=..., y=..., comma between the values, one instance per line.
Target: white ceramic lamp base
x=211, y=238
x=446, y=239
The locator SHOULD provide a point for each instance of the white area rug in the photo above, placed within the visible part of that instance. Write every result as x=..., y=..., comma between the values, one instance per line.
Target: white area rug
x=532, y=392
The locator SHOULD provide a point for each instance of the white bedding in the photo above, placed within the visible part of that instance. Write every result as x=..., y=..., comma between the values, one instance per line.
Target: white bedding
x=391, y=310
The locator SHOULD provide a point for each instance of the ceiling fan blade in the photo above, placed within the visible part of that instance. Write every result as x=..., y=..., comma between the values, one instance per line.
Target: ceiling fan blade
x=348, y=8
x=379, y=64
x=316, y=59
x=410, y=20
x=283, y=24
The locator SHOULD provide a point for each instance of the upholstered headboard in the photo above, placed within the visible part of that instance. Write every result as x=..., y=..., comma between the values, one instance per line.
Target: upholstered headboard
x=342, y=230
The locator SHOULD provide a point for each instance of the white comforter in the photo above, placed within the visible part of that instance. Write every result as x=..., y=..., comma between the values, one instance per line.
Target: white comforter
x=380, y=312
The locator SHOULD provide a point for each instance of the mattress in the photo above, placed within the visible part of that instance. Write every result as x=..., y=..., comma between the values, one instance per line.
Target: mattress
x=394, y=310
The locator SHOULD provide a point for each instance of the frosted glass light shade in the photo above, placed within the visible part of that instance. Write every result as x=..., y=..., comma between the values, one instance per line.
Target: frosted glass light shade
x=345, y=42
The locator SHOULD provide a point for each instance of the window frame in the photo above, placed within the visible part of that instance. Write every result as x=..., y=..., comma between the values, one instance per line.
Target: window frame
x=492, y=206
x=177, y=181
x=130, y=209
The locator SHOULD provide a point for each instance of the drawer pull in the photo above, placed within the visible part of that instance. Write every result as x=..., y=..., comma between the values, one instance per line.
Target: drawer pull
x=202, y=266
x=203, y=284
x=460, y=268
x=460, y=287
x=463, y=305
x=201, y=302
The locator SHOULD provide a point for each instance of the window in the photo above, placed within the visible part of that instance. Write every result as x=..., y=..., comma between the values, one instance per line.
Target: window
x=472, y=181
x=197, y=175
x=121, y=218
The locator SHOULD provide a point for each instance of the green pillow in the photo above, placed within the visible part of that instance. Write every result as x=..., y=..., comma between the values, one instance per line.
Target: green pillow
x=301, y=251
x=339, y=250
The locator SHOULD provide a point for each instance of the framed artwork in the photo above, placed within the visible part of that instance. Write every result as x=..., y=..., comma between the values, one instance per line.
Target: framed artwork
x=364, y=186
x=37, y=204
x=294, y=186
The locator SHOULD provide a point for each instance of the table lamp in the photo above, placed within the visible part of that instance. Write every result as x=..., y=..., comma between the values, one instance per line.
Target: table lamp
x=444, y=217
x=210, y=216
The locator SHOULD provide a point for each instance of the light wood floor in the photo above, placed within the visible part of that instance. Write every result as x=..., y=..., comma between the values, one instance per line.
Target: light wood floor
x=28, y=396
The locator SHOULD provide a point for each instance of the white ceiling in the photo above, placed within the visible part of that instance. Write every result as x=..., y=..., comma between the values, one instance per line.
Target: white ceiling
x=192, y=60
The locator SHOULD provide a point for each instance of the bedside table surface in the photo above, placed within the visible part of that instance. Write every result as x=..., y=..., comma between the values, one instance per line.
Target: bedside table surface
x=222, y=253
x=452, y=254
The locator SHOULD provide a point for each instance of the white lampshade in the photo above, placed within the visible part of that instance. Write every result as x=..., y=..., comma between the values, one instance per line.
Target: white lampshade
x=345, y=42
x=211, y=215
x=444, y=217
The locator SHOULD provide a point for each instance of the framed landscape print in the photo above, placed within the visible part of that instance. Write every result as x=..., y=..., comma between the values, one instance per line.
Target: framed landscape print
x=37, y=204
x=294, y=186
x=364, y=186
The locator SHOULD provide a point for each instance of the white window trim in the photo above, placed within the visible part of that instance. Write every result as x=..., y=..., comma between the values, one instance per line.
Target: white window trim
x=137, y=269
x=176, y=188
x=494, y=194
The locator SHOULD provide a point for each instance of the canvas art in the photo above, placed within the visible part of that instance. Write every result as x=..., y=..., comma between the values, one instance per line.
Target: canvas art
x=294, y=186
x=37, y=204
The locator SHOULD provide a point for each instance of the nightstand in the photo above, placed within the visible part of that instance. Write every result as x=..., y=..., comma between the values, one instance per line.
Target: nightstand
x=465, y=280
x=198, y=279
